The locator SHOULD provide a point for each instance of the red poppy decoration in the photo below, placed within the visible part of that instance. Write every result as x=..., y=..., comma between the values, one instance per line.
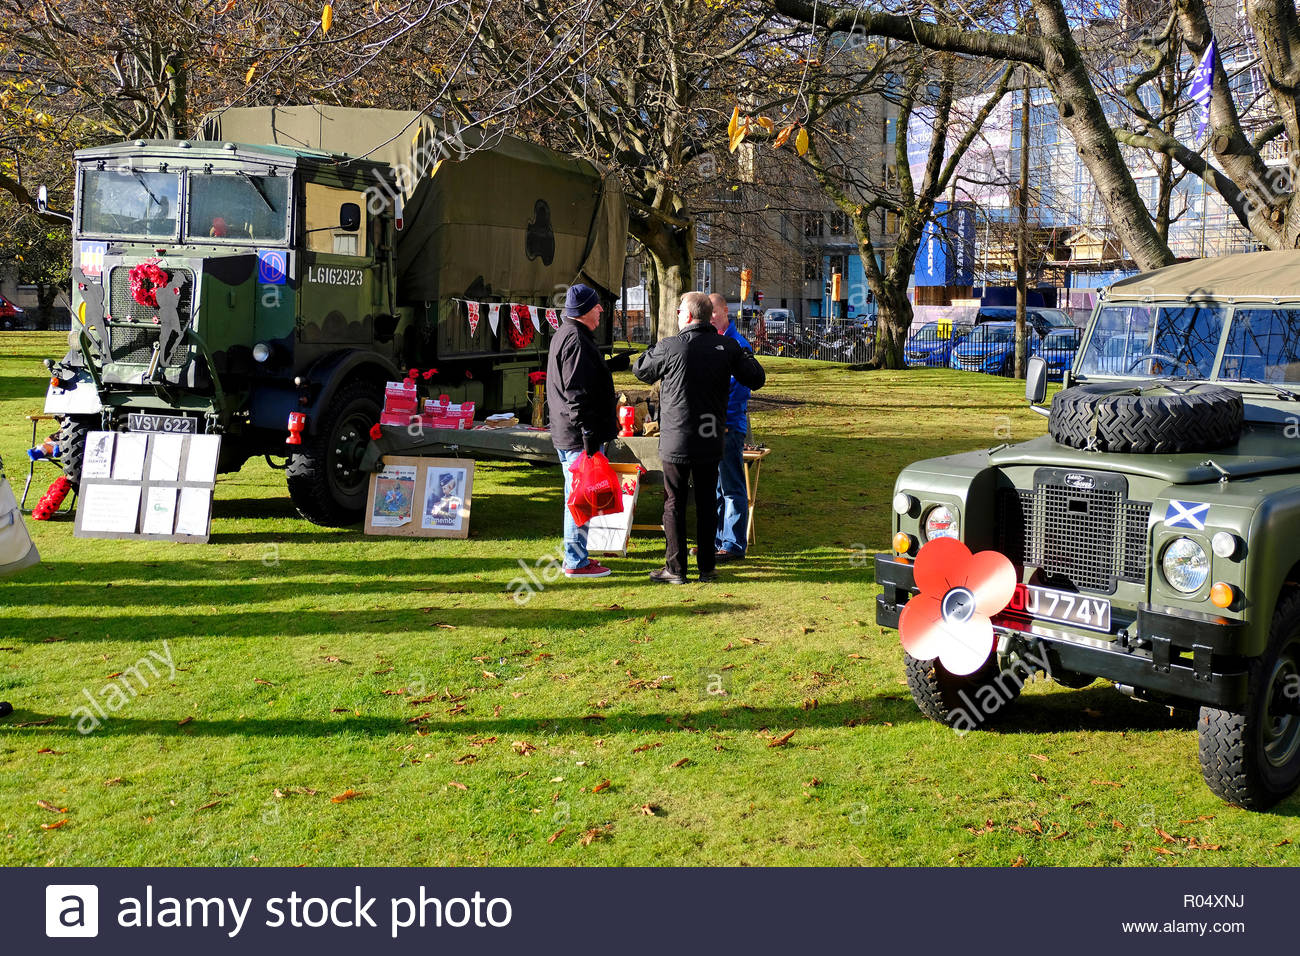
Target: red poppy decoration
x=429, y=373
x=536, y=378
x=960, y=592
x=146, y=279
x=376, y=432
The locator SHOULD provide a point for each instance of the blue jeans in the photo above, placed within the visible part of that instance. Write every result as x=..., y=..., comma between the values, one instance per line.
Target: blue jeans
x=575, y=538
x=733, y=499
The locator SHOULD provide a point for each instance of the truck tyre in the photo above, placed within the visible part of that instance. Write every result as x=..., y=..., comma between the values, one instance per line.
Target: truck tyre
x=1152, y=419
x=957, y=702
x=1252, y=759
x=72, y=445
x=326, y=484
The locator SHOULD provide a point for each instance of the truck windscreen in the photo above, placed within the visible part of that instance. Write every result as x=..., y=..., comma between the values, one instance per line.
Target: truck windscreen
x=237, y=207
x=129, y=202
x=1154, y=341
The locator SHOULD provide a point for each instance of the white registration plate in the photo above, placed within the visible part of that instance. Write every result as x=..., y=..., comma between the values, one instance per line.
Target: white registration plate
x=1061, y=607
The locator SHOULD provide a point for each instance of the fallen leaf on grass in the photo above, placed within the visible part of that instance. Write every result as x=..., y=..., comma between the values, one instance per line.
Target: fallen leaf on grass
x=183, y=721
x=345, y=796
x=452, y=711
x=1040, y=757
x=556, y=835
x=422, y=717
x=857, y=657
x=468, y=758
x=592, y=835
x=1020, y=861
x=340, y=710
x=683, y=762
x=1037, y=778
x=445, y=626
x=114, y=782
x=810, y=703
x=523, y=747
x=265, y=683
x=649, y=809
x=1162, y=851
x=1062, y=835
x=1092, y=713
x=46, y=805
x=644, y=747
x=52, y=753
x=332, y=659
x=603, y=785
x=457, y=784
x=980, y=831
x=1283, y=843
x=782, y=740
x=1106, y=783
x=37, y=723
x=208, y=806
x=55, y=825
x=610, y=607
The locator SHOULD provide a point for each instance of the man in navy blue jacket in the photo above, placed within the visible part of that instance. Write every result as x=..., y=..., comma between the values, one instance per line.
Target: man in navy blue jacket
x=733, y=496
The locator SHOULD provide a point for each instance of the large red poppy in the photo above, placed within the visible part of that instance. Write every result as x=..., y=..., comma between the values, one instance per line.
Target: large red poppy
x=960, y=593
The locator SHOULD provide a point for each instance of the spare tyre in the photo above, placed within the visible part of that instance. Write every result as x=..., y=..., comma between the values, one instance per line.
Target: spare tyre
x=1151, y=419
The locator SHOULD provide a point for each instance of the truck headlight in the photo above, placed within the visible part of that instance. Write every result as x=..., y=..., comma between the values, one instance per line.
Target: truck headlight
x=261, y=353
x=1186, y=565
x=903, y=503
x=940, y=522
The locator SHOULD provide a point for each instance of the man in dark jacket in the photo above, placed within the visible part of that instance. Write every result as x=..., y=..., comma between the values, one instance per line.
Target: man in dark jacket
x=580, y=398
x=696, y=368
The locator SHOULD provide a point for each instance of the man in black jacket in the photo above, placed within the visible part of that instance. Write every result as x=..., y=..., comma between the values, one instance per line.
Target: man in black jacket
x=696, y=367
x=580, y=398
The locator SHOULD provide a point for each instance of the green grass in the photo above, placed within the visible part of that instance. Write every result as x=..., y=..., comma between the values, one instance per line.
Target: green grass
x=299, y=650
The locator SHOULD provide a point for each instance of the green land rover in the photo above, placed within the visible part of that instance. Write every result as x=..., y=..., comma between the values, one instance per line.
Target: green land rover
x=1154, y=531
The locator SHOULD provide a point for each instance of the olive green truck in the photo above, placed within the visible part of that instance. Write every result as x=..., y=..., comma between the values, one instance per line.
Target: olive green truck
x=291, y=260
x=1154, y=531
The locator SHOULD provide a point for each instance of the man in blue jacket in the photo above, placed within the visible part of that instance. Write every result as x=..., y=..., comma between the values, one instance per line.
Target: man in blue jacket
x=733, y=496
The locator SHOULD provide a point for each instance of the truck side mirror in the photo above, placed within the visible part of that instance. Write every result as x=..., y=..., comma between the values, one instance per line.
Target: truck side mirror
x=1036, y=380
x=349, y=217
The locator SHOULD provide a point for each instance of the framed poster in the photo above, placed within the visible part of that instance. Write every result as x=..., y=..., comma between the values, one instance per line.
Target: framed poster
x=609, y=534
x=421, y=497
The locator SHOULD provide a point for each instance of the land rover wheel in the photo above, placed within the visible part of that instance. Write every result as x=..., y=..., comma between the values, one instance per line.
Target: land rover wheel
x=325, y=480
x=72, y=445
x=963, y=703
x=1252, y=759
x=1146, y=418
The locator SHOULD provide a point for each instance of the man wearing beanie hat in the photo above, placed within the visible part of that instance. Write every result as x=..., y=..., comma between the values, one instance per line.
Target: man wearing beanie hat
x=580, y=398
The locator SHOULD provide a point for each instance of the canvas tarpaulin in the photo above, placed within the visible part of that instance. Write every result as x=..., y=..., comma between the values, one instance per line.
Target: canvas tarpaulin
x=498, y=217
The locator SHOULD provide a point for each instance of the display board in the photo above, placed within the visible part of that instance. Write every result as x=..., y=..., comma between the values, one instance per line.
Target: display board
x=609, y=534
x=420, y=497
x=147, y=485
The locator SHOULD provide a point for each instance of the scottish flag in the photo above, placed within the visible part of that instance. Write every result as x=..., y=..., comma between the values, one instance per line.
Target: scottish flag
x=1203, y=86
x=1187, y=514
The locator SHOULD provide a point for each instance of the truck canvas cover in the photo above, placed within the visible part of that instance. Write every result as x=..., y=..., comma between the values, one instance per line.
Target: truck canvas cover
x=498, y=217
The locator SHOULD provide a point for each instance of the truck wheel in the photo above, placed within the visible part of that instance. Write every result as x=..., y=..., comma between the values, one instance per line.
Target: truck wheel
x=1252, y=759
x=963, y=703
x=72, y=445
x=1146, y=419
x=326, y=484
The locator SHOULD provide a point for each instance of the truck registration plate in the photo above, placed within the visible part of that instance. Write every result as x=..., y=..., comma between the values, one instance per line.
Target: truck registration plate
x=167, y=424
x=1061, y=607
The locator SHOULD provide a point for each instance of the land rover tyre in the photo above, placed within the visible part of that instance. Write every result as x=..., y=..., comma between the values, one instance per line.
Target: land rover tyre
x=72, y=445
x=1155, y=419
x=325, y=481
x=1252, y=759
x=963, y=703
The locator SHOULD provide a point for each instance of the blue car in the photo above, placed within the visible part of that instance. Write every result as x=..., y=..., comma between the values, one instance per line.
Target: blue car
x=927, y=348
x=989, y=348
x=1057, y=348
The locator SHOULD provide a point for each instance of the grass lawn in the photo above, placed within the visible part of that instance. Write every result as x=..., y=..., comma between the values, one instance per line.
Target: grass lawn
x=342, y=700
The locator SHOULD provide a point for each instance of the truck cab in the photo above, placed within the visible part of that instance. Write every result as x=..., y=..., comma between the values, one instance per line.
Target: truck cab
x=1154, y=532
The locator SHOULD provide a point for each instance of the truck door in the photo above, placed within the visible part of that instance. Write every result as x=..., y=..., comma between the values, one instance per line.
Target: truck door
x=338, y=277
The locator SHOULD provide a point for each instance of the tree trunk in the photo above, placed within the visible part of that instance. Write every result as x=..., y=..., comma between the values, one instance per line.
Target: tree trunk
x=893, y=323
x=671, y=253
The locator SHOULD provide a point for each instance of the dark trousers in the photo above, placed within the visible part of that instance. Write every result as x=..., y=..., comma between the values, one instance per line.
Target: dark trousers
x=704, y=475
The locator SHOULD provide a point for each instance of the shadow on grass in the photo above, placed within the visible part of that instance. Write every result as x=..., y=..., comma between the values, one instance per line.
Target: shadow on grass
x=867, y=711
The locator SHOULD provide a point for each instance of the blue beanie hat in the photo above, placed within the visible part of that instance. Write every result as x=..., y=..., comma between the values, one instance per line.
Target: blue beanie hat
x=580, y=300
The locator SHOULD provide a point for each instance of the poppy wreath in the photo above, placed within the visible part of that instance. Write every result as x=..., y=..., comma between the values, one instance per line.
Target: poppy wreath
x=960, y=593
x=146, y=279
x=521, y=333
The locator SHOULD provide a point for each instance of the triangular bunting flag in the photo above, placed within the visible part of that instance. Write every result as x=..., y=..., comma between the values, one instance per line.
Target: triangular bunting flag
x=494, y=315
x=473, y=308
x=532, y=314
x=518, y=314
x=553, y=319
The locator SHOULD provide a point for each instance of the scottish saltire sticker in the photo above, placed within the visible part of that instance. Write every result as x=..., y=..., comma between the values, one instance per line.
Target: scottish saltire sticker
x=1187, y=514
x=92, y=259
x=272, y=266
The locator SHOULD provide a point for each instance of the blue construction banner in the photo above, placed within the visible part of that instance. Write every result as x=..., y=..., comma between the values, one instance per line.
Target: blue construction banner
x=947, y=253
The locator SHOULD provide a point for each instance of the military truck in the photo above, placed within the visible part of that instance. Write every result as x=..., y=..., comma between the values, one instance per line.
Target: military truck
x=1154, y=531
x=293, y=259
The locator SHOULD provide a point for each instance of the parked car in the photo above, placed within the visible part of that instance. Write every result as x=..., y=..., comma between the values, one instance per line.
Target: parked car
x=1042, y=319
x=8, y=312
x=931, y=345
x=990, y=348
x=1057, y=348
x=778, y=320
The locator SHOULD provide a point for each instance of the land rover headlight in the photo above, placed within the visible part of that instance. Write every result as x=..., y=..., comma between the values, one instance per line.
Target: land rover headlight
x=1186, y=565
x=261, y=352
x=940, y=522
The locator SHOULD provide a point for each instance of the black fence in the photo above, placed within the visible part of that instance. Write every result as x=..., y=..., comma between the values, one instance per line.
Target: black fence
x=827, y=341
x=989, y=348
x=56, y=320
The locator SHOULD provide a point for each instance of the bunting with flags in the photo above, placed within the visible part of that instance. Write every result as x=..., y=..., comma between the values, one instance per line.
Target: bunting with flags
x=1202, y=88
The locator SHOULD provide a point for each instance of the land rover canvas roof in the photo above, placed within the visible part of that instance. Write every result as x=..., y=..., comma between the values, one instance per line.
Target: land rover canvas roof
x=1251, y=274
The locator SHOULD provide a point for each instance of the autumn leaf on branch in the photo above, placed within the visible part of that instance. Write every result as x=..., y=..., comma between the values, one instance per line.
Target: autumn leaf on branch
x=327, y=18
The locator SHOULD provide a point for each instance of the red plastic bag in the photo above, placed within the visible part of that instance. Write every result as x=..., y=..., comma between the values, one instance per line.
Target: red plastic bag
x=597, y=489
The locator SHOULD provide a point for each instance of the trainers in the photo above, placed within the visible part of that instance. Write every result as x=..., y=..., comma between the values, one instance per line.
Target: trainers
x=708, y=577
x=664, y=576
x=591, y=570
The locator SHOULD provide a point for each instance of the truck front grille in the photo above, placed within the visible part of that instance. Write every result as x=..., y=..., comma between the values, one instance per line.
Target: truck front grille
x=1083, y=533
x=123, y=308
x=132, y=344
